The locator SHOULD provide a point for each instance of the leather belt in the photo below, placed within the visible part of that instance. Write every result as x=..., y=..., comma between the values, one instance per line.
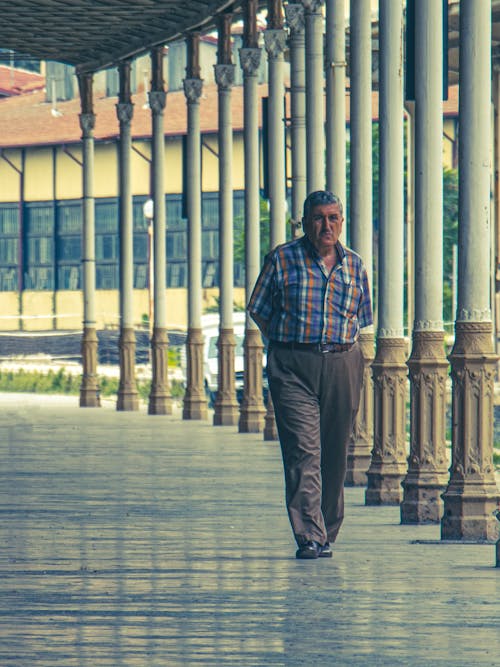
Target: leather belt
x=313, y=347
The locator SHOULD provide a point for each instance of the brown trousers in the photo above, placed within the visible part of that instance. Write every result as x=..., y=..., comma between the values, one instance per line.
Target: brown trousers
x=316, y=398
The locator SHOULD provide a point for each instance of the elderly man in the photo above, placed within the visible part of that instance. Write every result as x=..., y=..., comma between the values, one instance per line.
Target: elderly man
x=310, y=301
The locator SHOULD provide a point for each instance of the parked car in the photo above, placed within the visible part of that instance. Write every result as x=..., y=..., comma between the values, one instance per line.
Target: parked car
x=210, y=328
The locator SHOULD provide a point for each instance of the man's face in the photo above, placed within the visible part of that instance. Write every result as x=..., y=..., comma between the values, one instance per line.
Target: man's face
x=323, y=227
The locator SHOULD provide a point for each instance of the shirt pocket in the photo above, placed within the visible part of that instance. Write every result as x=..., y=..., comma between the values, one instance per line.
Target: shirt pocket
x=346, y=295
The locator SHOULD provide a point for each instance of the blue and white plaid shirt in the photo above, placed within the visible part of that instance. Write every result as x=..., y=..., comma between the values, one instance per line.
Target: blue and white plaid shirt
x=302, y=302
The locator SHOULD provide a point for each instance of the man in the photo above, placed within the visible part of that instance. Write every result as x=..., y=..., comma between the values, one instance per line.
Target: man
x=310, y=301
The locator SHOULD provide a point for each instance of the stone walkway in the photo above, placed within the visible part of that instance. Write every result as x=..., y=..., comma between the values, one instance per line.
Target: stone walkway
x=132, y=540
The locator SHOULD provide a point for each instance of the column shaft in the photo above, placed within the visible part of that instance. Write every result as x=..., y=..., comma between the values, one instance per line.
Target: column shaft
x=359, y=453
x=335, y=98
x=426, y=476
x=472, y=494
x=389, y=370
x=315, y=124
x=295, y=19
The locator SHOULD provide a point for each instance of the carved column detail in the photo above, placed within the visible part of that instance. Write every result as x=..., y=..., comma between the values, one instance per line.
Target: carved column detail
x=472, y=494
x=195, y=401
x=360, y=445
x=252, y=409
x=388, y=464
x=427, y=470
x=270, y=429
x=160, y=400
x=89, y=389
x=128, y=398
x=226, y=406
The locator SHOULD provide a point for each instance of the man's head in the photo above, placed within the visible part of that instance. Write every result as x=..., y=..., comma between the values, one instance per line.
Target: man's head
x=322, y=221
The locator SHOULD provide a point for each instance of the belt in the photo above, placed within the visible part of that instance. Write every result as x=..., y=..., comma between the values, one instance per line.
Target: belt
x=313, y=347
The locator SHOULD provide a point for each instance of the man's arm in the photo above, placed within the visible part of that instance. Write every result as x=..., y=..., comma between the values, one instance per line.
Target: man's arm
x=261, y=323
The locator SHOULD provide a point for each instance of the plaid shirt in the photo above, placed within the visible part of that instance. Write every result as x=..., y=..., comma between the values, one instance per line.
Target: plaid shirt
x=303, y=303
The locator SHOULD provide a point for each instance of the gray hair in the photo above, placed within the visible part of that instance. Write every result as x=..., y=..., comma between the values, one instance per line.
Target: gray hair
x=319, y=198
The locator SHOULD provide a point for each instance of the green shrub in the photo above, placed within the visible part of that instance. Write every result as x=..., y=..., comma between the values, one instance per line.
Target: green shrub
x=62, y=382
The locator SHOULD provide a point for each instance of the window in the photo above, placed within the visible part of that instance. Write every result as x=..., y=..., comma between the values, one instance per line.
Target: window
x=69, y=245
x=39, y=246
x=107, y=248
x=9, y=247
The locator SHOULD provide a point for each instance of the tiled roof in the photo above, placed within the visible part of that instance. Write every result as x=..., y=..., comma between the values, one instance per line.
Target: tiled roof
x=15, y=81
x=28, y=120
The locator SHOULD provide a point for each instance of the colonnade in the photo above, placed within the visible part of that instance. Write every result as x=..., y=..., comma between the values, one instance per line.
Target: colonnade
x=417, y=480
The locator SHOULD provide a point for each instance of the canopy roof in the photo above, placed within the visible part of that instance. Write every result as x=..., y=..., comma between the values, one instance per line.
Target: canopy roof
x=94, y=34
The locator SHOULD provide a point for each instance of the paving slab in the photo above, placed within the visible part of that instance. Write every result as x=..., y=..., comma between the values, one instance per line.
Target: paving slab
x=137, y=540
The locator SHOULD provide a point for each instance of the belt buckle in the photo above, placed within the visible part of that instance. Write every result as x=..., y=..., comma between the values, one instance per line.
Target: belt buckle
x=324, y=348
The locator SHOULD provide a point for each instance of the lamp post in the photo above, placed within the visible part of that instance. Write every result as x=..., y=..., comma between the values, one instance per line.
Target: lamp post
x=148, y=211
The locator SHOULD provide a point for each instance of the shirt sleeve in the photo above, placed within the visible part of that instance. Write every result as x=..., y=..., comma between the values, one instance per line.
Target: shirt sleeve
x=261, y=301
x=365, y=315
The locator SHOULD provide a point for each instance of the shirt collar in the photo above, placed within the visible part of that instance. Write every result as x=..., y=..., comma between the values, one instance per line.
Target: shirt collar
x=310, y=248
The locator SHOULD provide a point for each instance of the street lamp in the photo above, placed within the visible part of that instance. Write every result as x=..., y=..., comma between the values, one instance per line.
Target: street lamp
x=148, y=210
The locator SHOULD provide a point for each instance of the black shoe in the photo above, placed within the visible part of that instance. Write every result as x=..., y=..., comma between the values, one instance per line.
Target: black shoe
x=325, y=551
x=308, y=550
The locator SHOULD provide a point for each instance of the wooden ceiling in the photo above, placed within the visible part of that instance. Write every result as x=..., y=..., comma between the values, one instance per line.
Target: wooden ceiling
x=94, y=34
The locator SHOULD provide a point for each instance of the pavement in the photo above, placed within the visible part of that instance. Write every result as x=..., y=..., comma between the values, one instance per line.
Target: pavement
x=143, y=541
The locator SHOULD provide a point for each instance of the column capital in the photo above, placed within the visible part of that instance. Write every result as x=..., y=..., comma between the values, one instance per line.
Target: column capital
x=224, y=75
x=87, y=123
x=192, y=89
x=474, y=315
x=157, y=100
x=275, y=42
x=250, y=60
x=312, y=6
x=295, y=17
x=124, y=111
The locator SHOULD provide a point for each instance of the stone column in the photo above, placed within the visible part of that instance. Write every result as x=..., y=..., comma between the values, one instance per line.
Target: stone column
x=471, y=496
x=295, y=19
x=427, y=472
x=89, y=388
x=195, y=400
x=252, y=408
x=275, y=43
x=360, y=445
x=388, y=464
x=225, y=406
x=160, y=400
x=128, y=397
x=315, y=123
x=335, y=98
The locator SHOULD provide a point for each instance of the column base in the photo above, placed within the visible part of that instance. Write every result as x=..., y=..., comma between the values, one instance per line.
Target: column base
x=160, y=400
x=385, y=488
x=195, y=400
x=469, y=513
x=422, y=499
x=226, y=407
x=472, y=494
x=388, y=464
x=252, y=409
x=427, y=471
x=360, y=444
x=270, y=429
x=226, y=414
x=128, y=397
x=251, y=419
x=358, y=462
x=89, y=388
